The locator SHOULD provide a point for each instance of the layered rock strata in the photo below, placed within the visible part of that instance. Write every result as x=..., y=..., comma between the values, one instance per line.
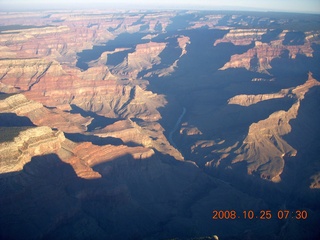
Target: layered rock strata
x=42, y=116
x=242, y=36
x=24, y=143
x=29, y=143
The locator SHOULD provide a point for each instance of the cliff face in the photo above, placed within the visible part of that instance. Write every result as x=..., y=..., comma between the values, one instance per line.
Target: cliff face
x=262, y=53
x=84, y=156
x=43, y=81
x=29, y=143
x=147, y=134
x=39, y=63
x=42, y=116
x=144, y=58
x=24, y=143
x=242, y=36
x=96, y=100
x=247, y=100
x=264, y=148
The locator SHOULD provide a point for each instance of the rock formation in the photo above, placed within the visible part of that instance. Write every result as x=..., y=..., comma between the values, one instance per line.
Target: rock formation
x=242, y=36
x=144, y=58
x=42, y=116
x=147, y=134
x=262, y=53
x=24, y=143
x=96, y=131
x=30, y=142
x=247, y=100
x=264, y=148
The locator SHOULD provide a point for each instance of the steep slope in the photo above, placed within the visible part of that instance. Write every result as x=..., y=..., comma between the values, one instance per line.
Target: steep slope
x=29, y=143
x=264, y=148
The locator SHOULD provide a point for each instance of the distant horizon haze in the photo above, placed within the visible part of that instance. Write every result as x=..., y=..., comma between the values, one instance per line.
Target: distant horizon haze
x=298, y=6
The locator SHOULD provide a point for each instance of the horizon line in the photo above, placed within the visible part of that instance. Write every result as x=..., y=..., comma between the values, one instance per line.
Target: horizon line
x=159, y=9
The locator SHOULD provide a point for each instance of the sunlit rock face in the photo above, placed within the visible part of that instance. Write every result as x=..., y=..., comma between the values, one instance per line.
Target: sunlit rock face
x=139, y=124
x=42, y=116
x=29, y=143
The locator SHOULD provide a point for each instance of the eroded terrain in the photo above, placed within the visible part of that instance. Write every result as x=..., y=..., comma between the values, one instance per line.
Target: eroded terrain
x=138, y=124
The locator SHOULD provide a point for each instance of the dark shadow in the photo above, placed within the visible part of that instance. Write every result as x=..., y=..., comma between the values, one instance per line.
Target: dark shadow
x=98, y=120
x=118, y=57
x=293, y=72
x=124, y=40
x=13, y=120
x=294, y=39
x=271, y=35
x=305, y=138
x=100, y=141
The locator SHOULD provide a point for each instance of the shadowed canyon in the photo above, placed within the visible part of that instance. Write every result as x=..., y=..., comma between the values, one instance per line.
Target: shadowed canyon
x=142, y=124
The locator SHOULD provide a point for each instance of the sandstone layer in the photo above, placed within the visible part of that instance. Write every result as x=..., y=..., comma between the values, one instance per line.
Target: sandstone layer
x=29, y=143
x=242, y=36
x=24, y=143
x=42, y=116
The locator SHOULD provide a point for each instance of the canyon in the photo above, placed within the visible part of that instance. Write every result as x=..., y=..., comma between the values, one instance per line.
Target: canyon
x=138, y=124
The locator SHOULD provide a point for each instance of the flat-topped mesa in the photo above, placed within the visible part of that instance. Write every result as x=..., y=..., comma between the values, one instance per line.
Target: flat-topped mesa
x=29, y=142
x=42, y=116
x=241, y=36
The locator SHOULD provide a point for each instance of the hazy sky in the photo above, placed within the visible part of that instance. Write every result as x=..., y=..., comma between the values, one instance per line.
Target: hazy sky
x=310, y=6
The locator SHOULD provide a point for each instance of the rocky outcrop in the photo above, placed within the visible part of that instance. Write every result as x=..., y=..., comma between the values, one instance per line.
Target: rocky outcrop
x=183, y=42
x=42, y=116
x=209, y=21
x=189, y=130
x=27, y=144
x=82, y=157
x=260, y=56
x=247, y=100
x=42, y=81
x=24, y=143
x=242, y=36
x=315, y=184
x=40, y=61
x=144, y=58
x=147, y=134
x=264, y=148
